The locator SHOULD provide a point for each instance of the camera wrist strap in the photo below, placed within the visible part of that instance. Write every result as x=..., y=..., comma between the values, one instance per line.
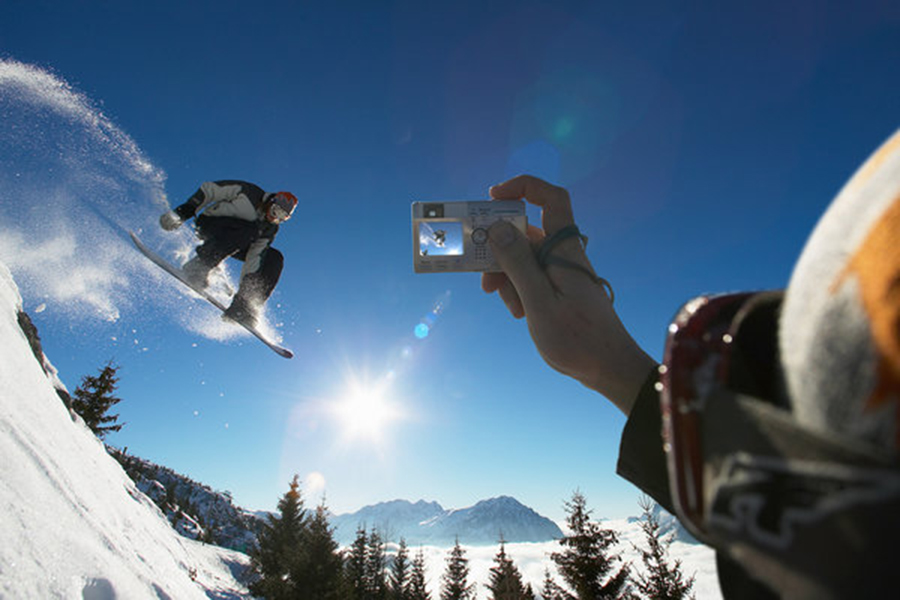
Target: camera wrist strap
x=550, y=242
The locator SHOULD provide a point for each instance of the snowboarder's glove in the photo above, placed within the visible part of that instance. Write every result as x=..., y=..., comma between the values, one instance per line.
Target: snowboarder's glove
x=170, y=221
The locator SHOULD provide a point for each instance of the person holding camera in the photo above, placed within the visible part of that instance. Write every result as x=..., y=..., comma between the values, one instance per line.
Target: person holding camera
x=772, y=427
x=237, y=219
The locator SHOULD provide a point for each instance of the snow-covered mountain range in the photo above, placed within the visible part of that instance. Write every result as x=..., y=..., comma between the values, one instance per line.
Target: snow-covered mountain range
x=485, y=523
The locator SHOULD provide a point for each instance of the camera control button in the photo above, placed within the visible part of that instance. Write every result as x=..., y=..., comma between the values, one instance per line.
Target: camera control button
x=480, y=235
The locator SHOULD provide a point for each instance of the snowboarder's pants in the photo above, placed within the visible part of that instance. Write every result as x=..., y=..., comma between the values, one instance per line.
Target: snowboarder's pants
x=226, y=236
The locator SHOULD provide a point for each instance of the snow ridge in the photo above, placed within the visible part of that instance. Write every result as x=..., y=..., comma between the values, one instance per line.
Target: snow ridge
x=195, y=510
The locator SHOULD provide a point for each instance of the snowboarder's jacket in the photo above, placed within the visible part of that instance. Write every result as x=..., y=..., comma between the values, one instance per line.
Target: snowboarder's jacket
x=237, y=200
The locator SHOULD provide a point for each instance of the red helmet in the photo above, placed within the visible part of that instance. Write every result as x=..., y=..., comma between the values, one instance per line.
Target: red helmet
x=281, y=206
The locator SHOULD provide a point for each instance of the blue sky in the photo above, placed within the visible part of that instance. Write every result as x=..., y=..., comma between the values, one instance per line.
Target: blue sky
x=699, y=141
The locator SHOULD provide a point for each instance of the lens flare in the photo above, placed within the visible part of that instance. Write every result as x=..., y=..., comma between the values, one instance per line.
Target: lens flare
x=428, y=321
x=580, y=111
x=314, y=483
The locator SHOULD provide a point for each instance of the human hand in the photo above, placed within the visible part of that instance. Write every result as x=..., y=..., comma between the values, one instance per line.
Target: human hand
x=170, y=221
x=569, y=314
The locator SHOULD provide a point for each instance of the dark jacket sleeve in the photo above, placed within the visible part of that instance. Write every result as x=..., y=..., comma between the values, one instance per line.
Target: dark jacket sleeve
x=189, y=208
x=641, y=457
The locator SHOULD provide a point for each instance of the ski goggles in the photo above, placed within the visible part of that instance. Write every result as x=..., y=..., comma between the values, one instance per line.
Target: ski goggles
x=278, y=214
x=696, y=365
x=282, y=206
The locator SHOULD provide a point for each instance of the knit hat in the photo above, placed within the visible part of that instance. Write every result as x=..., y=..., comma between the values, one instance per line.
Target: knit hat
x=840, y=326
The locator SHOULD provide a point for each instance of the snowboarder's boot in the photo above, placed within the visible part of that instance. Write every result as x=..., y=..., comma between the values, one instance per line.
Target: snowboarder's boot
x=196, y=271
x=241, y=311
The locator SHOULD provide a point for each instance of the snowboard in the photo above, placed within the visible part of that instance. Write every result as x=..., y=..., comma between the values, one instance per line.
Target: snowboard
x=177, y=274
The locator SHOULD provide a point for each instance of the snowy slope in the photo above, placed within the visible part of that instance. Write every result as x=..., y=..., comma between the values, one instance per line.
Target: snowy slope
x=73, y=524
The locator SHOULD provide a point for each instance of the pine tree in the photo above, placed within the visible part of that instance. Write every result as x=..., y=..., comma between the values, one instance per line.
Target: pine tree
x=505, y=579
x=398, y=579
x=416, y=589
x=551, y=590
x=586, y=562
x=94, y=397
x=365, y=567
x=376, y=568
x=662, y=580
x=278, y=545
x=316, y=569
x=455, y=580
x=355, y=567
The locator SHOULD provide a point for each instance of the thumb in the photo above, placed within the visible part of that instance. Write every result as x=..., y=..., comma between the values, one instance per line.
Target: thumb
x=515, y=256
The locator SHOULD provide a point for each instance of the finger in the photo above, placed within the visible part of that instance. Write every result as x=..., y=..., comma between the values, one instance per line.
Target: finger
x=535, y=235
x=561, y=278
x=499, y=282
x=512, y=300
x=516, y=257
x=556, y=214
x=554, y=200
x=491, y=282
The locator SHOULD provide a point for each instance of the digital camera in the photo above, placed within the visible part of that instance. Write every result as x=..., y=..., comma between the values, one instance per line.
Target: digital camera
x=453, y=236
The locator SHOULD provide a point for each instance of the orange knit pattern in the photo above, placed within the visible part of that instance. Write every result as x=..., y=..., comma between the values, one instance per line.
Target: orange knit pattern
x=876, y=266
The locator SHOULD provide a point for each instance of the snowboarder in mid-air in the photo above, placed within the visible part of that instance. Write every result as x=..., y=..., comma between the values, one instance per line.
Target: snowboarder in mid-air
x=239, y=219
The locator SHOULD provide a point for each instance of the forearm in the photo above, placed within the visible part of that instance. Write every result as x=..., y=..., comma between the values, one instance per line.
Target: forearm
x=211, y=192
x=623, y=370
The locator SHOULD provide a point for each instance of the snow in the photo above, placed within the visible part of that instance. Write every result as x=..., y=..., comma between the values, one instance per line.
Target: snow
x=73, y=524
x=533, y=558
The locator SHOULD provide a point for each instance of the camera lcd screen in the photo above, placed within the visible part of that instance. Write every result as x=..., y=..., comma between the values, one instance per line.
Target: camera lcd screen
x=440, y=238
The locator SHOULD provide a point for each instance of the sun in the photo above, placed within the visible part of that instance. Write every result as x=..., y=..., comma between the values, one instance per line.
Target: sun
x=366, y=413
